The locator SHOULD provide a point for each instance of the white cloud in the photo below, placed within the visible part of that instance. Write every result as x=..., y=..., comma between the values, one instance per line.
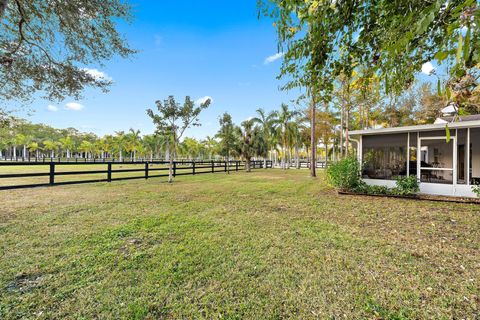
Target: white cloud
x=74, y=106
x=97, y=74
x=52, y=108
x=428, y=69
x=201, y=100
x=273, y=58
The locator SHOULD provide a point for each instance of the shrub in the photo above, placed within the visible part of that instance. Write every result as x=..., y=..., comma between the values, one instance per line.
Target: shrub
x=378, y=190
x=345, y=174
x=372, y=190
x=476, y=190
x=406, y=186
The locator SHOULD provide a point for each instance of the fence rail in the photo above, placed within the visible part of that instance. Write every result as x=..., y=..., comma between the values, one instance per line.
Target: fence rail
x=320, y=164
x=47, y=160
x=148, y=169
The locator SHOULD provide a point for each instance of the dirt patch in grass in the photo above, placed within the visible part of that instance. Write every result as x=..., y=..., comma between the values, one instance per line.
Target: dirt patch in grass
x=26, y=282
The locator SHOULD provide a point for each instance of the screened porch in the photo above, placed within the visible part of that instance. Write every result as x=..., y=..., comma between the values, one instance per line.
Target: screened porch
x=443, y=165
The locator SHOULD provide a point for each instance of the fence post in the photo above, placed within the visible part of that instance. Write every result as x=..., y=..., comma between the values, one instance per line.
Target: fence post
x=213, y=168
x=193, y=167
x=236, y=165
x=52, y=173
x=174, y=169
x=146, y=170
x=225, y=166
x=109, y=172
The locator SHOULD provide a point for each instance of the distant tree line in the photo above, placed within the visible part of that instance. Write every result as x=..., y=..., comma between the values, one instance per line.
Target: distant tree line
x=282, y=135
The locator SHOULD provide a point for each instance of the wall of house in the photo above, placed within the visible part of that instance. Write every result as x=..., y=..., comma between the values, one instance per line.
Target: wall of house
x=444, y=159
x=475, y=142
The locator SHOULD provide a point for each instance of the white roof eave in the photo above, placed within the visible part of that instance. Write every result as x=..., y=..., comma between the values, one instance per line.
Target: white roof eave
x=423, y=127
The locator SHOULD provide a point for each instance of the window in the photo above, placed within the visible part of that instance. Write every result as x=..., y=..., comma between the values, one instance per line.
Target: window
x=385, y=157
x=413, y=154
x=474, y=155
x=436, y=160
x=462, y=161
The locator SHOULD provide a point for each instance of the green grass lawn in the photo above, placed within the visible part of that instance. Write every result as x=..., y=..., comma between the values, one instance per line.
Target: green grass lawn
x=269, y=244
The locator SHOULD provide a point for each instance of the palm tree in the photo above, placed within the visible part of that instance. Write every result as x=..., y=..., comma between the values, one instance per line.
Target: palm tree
x=133, y=142
x=109, y=145
x=252, y=142
x=119, y=143
x=50, y=145
x=149, y=143
x=20, y=140
x=34, y=147
x=86, y=147
x=190, y=147
x=295, y=139
x=210, y=145
x=282, y=120
x=325, y=128
x=266, y=124
x=67, y=145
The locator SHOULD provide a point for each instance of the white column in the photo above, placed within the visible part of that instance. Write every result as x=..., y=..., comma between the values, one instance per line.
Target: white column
x=455, y=160
x=408, y=154
x=360, y=150
x=419, y=155
x=468, y=156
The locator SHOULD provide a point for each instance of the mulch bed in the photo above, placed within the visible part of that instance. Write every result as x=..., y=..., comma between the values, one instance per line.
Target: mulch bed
x=426, y=197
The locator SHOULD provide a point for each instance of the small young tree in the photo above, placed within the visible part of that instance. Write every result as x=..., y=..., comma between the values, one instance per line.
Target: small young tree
x=227, y=137
x=173, y=119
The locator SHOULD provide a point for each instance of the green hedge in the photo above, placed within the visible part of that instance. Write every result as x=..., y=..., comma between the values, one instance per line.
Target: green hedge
x=345, y=175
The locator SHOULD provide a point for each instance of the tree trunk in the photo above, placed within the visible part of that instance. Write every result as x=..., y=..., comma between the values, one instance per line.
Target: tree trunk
x=289, y=158
x=14, y=156
x=170, y=170
x=228, y=162
x=342, y=126
x=326, y=154
x=170, y=165
x=167, y=152
x=347, y=125
x=313, y=146
x=297, y=158
x=247, y=164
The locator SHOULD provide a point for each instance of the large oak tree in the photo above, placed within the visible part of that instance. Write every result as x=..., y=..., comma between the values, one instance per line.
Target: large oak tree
x=47, y=45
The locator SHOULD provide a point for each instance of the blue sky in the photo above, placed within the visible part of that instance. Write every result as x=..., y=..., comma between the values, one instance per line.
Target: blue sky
x=204, y=48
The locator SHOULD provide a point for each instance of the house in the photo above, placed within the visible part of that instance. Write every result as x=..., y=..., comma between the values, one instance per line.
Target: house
x=443, y=166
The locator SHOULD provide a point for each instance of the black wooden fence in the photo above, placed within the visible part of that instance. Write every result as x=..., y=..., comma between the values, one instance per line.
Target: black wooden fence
x=146, y=170
x=320, y=164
